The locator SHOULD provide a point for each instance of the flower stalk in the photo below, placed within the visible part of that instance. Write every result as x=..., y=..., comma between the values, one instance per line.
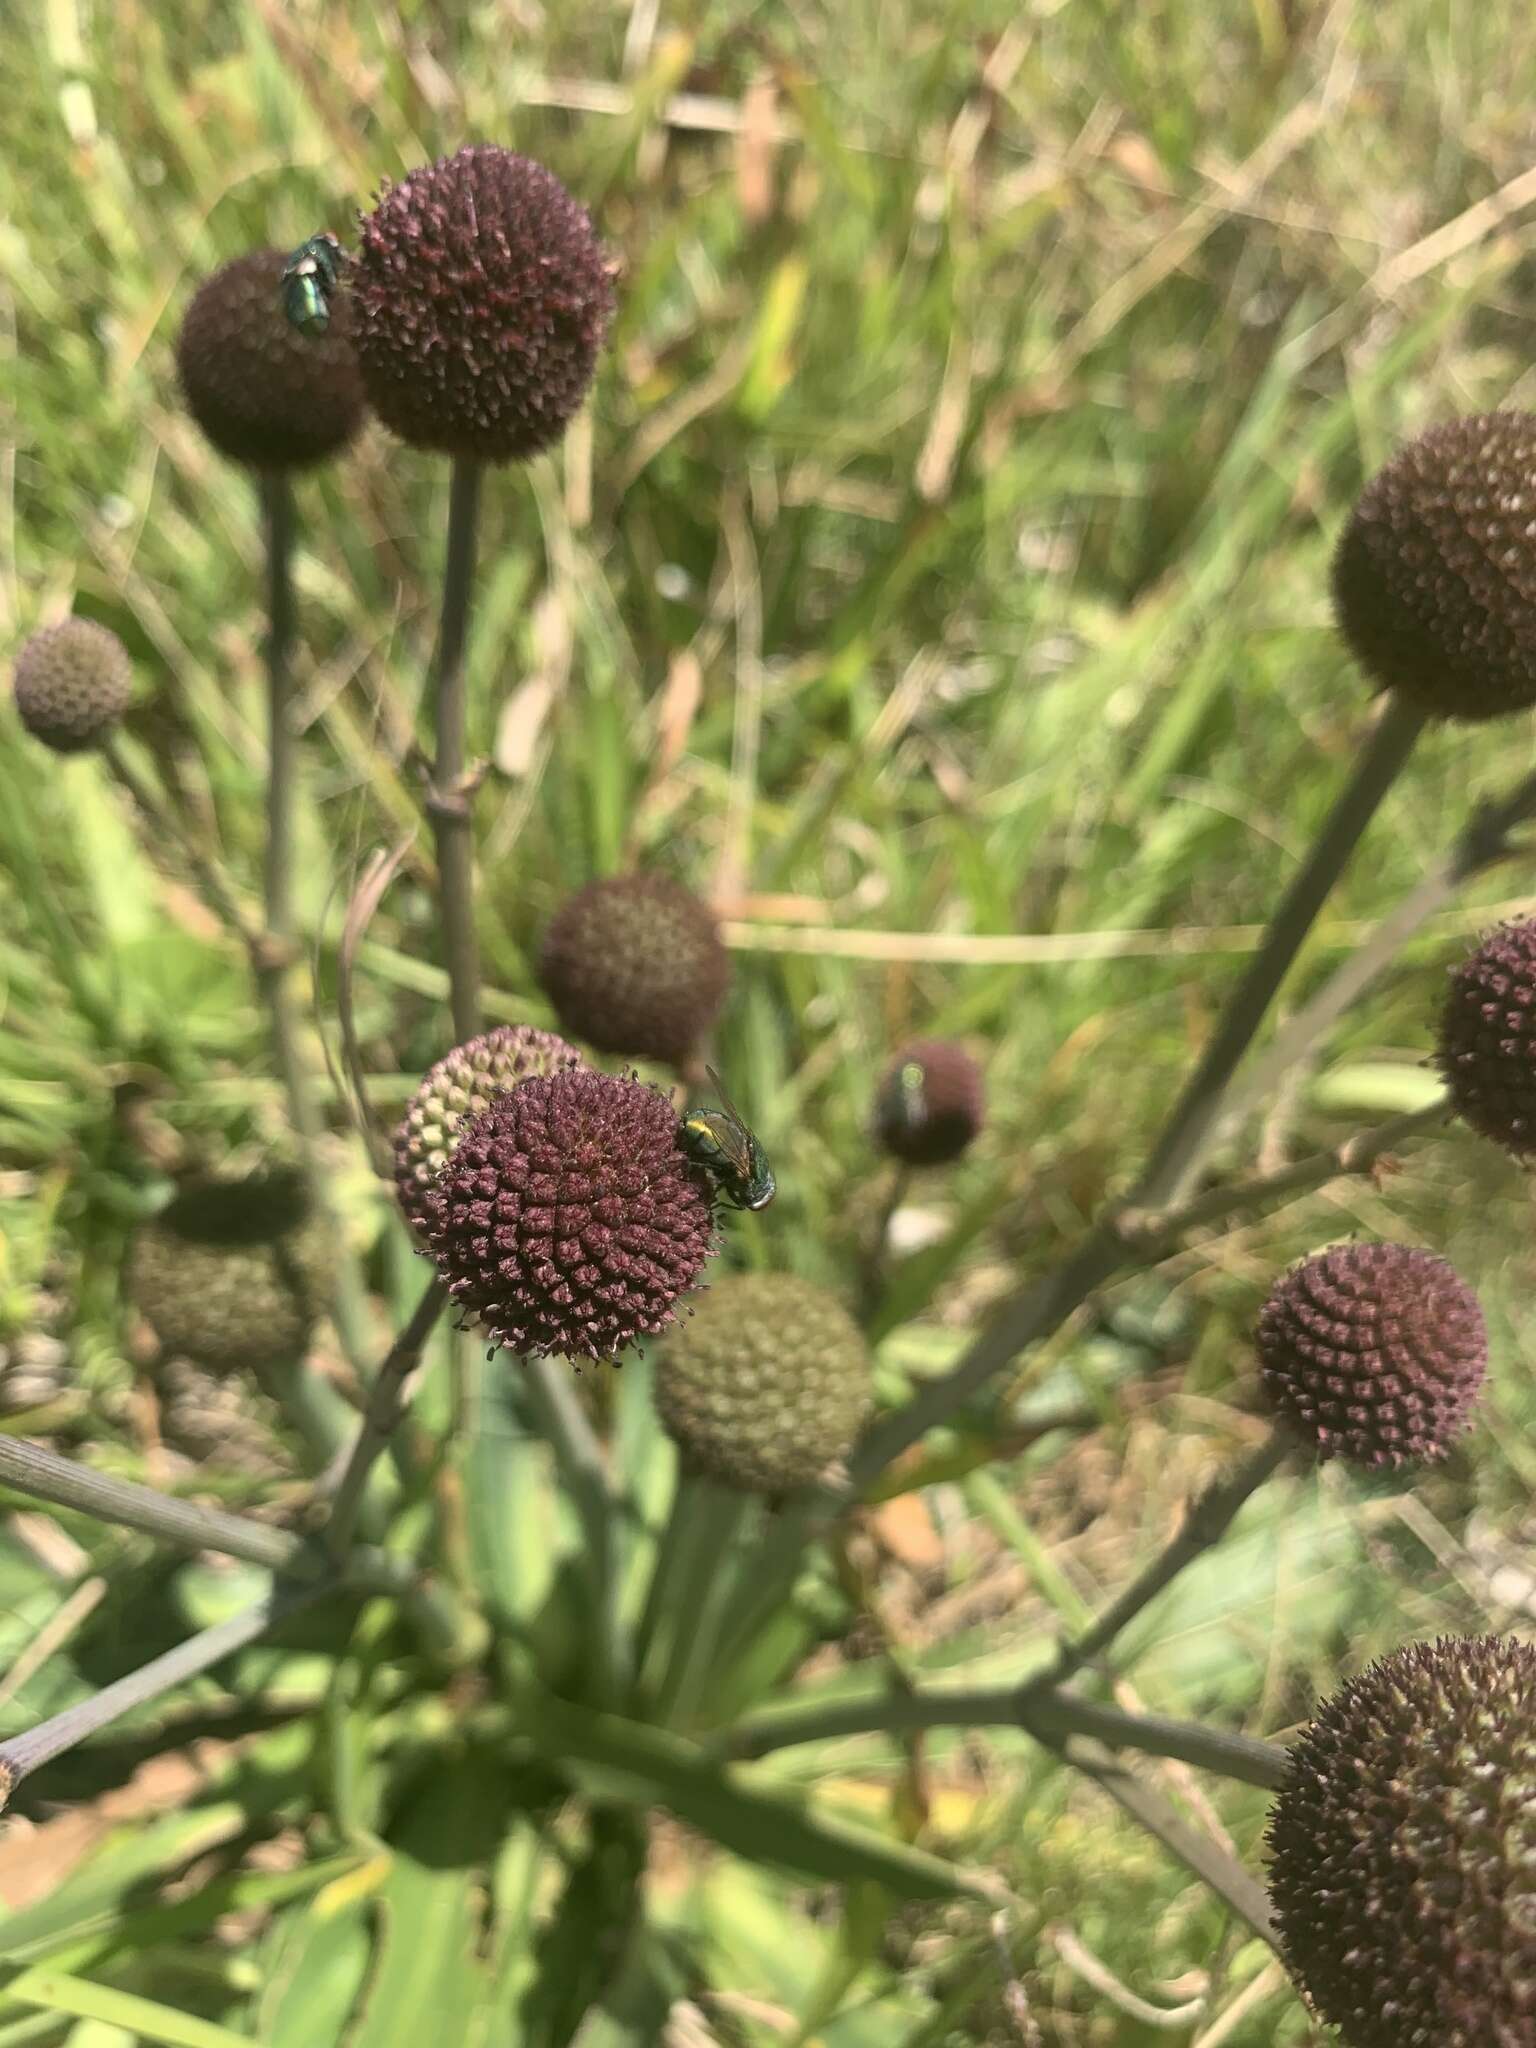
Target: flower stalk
x=1186, y=1137
x=450, y=786
x=1208, y=1520
x=51, y=1738
x=1047, y=1711
x=386, y=1405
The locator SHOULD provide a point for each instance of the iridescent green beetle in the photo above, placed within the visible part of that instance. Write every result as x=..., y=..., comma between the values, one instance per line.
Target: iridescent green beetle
x=308, y=281
x=719, y=1141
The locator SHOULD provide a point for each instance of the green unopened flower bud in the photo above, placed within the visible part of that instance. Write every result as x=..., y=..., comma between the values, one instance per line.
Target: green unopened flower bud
x=766, y=1384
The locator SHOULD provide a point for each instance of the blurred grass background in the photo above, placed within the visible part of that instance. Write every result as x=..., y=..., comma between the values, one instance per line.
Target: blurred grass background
x=939, y=580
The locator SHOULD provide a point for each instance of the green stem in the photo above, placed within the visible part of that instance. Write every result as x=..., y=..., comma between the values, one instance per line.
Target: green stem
x=448, y=796
x=564, y=1426
x=1221, y=1873
x=697, y=1599
x=1482, y=843
x=1051, y=1715
x=1204, y=1526
x=273, y=953
x=1154, y=1232
x=386, y=1401
x=1177, y=1153
x=42, y=1474
x=24, y=1753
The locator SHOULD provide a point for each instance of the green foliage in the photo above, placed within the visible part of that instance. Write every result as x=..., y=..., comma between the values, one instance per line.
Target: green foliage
x=942, y=584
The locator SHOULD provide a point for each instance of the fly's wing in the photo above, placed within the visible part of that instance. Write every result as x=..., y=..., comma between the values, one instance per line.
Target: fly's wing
x=725, y=1097
x=730, y=1131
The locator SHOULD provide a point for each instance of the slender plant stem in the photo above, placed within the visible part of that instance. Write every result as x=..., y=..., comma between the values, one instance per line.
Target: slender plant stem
x=386, y=1403
x=579, y=1456
x=877, y=1254
x=1124, y=1235
x=276, y=948
x=1222, y=1873
x=43, y=1474
x=665, y=1566
x=1051, y=1715
x=1204, y=1526
x=206, y=873
x=448, y=794
x=274, y=956
x=795, y=1525
x=1034, y=1313
x=686, y=1640
x=1185, y=1136
x=50, y=1738
x=1158, y=1230
x=1483, y=843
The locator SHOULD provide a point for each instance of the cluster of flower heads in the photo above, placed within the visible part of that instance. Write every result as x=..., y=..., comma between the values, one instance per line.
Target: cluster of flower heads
x=469, y=320
x=565, y=1214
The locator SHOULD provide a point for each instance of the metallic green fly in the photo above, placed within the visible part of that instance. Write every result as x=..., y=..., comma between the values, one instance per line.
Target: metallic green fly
x=720, y=1142
x=308, y=281
x=907, y=1105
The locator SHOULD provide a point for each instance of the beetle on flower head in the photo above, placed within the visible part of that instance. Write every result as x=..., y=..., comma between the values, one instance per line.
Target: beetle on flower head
x=309, y=280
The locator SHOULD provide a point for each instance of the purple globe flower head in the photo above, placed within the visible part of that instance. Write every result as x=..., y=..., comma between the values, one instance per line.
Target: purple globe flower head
x=1434, y=582
x=482, y=297
x=634, y=964
x=569, y=1218
x=267, y=396
x=454, y=1092
x=1487, y=1043
x=1403, y=1847
x=73, y=682
x=930, y=1103
x=1374, y=1353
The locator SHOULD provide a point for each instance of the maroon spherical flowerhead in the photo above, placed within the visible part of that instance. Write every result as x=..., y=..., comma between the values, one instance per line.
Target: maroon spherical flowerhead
x=1404, y=1850
x=570, y=1219
x=73, y=682
x=1487, y=1048
x=635, y=964
x=1434, y=582
x=482, y=297
x=266, y=395
x=930, y=1103
x=1373, y=1352
x=455, y=1091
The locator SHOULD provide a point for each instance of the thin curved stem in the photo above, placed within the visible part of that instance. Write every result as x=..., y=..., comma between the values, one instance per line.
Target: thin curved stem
x=448, y=794
x=1482, y=843
x=386, y=1404
x=1204, y=1526
x=1049, y=1713
x=1185, y=1137
x=24, y=1753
